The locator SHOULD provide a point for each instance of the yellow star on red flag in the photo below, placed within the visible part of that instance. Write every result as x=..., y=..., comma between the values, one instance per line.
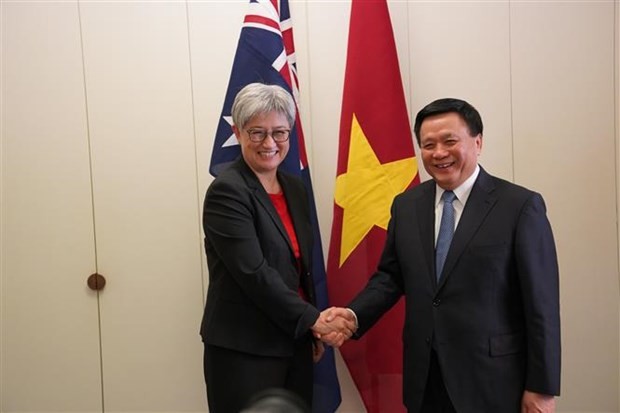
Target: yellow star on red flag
x=366, y=190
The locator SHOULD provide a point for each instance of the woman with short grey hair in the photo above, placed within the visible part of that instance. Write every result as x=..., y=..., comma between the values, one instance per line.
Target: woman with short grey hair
x=260, y=311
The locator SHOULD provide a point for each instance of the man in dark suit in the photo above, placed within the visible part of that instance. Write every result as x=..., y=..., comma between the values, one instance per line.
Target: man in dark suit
x=482, y=323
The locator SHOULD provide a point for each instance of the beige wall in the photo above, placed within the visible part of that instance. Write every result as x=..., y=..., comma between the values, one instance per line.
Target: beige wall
x=108, y=116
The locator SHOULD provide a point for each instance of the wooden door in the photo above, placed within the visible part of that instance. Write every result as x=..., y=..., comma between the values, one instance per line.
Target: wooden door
x=99, y=174
x=147, y=207
x=49, y=324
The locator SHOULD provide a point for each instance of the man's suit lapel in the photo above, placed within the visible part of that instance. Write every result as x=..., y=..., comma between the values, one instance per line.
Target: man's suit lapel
x=481, y=200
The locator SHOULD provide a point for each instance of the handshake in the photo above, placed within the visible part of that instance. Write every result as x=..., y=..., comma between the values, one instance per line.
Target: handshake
x=334, y=326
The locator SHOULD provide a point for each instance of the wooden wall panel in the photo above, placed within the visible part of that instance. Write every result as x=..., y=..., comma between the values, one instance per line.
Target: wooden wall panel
x=563, y=111
x=48, y=317
x=146, y=207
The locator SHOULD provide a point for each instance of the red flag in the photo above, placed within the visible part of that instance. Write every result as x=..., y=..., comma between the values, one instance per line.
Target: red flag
x=376, y=161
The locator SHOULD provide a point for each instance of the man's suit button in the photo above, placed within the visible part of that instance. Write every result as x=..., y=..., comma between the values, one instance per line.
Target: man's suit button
x=436, y=302
x=428, y=340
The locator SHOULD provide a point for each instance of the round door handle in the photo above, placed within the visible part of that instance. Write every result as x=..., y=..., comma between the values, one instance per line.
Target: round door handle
x=96, y=282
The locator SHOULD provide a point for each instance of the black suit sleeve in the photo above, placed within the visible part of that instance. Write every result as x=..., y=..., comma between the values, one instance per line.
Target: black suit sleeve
x=384, y=288
x=538, y=276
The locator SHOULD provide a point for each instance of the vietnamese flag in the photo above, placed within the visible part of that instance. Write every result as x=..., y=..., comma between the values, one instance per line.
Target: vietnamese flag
x=376, y=161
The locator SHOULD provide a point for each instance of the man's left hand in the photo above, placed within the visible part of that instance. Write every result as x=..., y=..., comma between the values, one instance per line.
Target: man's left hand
x=537, y=403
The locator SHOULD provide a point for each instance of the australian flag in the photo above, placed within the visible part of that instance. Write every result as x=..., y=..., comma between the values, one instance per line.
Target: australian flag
x=266, y=54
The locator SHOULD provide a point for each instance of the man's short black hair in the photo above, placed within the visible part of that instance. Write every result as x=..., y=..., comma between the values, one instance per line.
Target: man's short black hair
x=447, y=105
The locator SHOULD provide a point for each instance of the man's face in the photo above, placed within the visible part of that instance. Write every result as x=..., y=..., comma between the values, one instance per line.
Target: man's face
x=449, y=152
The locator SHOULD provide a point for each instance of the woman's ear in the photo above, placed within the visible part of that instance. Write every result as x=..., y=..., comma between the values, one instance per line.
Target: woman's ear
x=236, y=131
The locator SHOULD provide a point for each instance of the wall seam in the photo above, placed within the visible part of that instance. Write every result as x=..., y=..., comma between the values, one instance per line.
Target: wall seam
x=308, y=93
x=92, y=196
x=2, y=204
x=511, y=81
x=196, y=169
x=410, y=91
x=616, y=89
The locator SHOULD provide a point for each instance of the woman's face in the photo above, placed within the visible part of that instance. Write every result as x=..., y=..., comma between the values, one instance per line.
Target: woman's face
x=264, y=156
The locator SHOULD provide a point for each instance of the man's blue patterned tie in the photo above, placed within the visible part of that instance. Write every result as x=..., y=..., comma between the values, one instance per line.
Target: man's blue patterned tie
x=446, y=230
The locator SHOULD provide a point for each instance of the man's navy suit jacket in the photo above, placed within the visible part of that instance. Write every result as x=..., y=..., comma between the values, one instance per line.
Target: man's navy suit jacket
x=493, y=320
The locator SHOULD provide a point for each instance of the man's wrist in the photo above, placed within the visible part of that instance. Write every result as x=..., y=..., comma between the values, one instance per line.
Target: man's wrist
x=354, y=316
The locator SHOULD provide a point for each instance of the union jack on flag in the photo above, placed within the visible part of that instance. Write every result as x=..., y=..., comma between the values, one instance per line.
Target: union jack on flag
x=266, y=53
